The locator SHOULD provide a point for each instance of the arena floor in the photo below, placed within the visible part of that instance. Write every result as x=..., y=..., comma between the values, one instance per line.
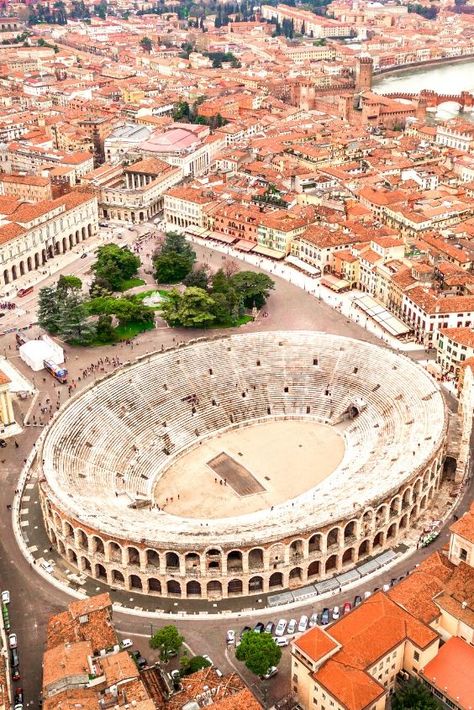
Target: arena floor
x=250, y=469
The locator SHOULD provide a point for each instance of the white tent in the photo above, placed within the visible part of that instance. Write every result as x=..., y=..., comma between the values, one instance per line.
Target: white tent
x=35, y=352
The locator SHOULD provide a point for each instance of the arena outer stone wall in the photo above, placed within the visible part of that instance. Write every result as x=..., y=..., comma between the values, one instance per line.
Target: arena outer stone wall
x=103, y=453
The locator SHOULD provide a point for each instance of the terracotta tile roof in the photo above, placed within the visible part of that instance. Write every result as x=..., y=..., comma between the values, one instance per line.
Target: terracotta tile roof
x=119, y=666
x=447, y=671
x=464, y=527
x=463, y=336
x=10, y=231
x=352, y=687
x=149, y=166
x=77, y=699
x=86, y=606
x=68, y=659
x=244, y=700
x=316, y=643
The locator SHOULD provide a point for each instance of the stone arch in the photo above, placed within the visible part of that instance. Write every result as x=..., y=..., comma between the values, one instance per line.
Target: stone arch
x=378, y=540
x=381, y=515
x=71, y=556
x=154, y=586
x=234, y=587
x=276, y=580
x=152, y=558
x=392, y=532
x=22, y=268
x=276, y=555
x=406, y=498
x=172, y=560
x=64, y=242
x=115, y=552
x=315, y=543
x=364, y=549
x=333, y=537
x=68, y=531
x=255, y=584
x=133, y=556
x=97, y=545
x=348, y=556
x=234, y=561
x=173, y=588
x=395, y=506
x=52, y=536
x=61, y=547
x=135, y=582
x=331, y=564
x=423, y=502
x=314, y=569
x=255, y=558
x=71, y=241
x=193, y=589
x=403, y=522
x=213, y=558
x=58, y=524
x=117, y=577
x=14, y=273
x=82, y=541
x=85, y=565
x=29, y=263
x=100, y=572
x=296, y=575
x=413, y=514
x=6, y=276
x=350, y=531
x=214, y=588
x=297, y=549
x=192, y=562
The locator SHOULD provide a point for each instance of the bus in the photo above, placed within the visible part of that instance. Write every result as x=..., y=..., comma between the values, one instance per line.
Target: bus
x=25, y=291
x=59, y=373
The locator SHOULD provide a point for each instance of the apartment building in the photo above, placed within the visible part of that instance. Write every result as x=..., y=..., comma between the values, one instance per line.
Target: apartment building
x=30, y=188
x=453, y=347
x=427, y=313
x=277, y=230
x=186, y=207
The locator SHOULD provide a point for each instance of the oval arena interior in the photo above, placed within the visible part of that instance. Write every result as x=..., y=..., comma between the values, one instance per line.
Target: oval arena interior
x=240, y=465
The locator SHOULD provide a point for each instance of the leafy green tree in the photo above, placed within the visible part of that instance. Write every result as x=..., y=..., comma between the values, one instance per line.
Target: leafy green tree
x=104, y=331
x=258, y=651
x=253, y=287
x=146, y=44
x=167, y=640
x=125, y=309
x=115, y=265
x=73, y=325
x=191, y=309
x=69, y=283
x=194, y=664
x=413, y=695
x=48, y=309
x=198, y=277
x=174, y=260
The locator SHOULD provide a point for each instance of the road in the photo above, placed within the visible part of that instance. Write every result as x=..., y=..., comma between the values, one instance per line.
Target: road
x=33, y=599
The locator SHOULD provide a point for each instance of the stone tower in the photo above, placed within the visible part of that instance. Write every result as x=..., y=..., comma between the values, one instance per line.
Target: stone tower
x=363, y=73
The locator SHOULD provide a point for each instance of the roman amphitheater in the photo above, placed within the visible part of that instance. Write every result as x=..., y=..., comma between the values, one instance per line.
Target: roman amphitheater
x=234, y=466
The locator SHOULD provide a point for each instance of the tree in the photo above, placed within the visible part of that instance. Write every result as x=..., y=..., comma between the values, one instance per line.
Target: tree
x=174, y=260
x=198, y=277
x=168, y=640
x=73, y=326
x=191, y=309
x=253, y=287
x=115, y=265
x=146, y=44
x=194, y=664
x=104, y=331
x=69, y=283
x=48, y=309
x=258, y=651
x=413, y=695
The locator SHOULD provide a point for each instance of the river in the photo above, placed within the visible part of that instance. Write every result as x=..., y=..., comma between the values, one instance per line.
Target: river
x=442, y=78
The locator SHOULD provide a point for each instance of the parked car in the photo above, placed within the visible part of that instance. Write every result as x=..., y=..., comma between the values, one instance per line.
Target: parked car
x=325, y=616
x=47, y=566
x=5, y=597
x=386, y=588
x=175, y=676
x=291, y=628
x=84, y=255
x=269, y=627
x=208, y=659
x=244, y=630
x=12, y=641
x=357, y=600
x=127, y=643
x=336, y=613
x=313, y=620
x=139, y=659
x=346, y=608
x=303, y=625
x=15, y=659
x=19, y=695
x=16, y=673
x=273, y=670
x=282, y=641
x=367, y=594
x=280, y=627
x=230, y=636
x=259, y=628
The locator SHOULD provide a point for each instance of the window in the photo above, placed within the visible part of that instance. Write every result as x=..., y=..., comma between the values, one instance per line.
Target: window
x=416, y=656
x=463, y=554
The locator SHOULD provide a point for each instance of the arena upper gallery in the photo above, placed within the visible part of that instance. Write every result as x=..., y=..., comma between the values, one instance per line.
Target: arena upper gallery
x=236, y=465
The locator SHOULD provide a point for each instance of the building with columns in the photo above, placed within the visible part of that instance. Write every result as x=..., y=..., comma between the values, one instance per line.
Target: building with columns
x=7, y=416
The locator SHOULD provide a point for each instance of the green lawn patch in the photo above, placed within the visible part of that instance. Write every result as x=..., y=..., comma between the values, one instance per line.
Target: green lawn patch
x=131, y=283
x=130, y=330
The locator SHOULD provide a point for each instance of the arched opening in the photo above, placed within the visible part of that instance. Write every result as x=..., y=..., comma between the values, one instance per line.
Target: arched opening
x=313, y=569
x=50, y=252
x=381, y=516
x=22, y=268
x=72, y=557
x=82, y=541
x=276, y=580
x=406, y=500
x=350, y=531
x=172, y=561
x=255, y=585
x=154, y=586
x=193, y=589
x=296, y=549
x=173, y=588
x=133, y=556
x=256, y=558
x=6, y=276
x=234, y=587
x=117, y=577
x=403, y=522
x=413, y=514
x=315, y=543
x=68, y=531
x=363, y=549
x=64, y=245
x=97, y=545
x=86, y=565
x=52, y=537
x=423, y=502
x=378, y=541
x=392, y=531
x=135, y=582
x=296, y=575
x=214, y=588
x=395, y=507
x=192, y=562
x=29, y=263
x=57, y=248
x=348, y=556
x=449, y=468
x=333, y=538
x=152, y=558
x=213, y=559
x=61, y=548
x=100, y=572
x=14, y=273
x=234, y=561
x=115, y=552
x=331, y=564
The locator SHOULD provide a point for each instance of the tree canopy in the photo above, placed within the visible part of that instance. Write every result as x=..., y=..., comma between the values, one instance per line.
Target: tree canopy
x=193, y=664
x=174, y=260
x=62, y=310
x=191, y=309
x=167, y=640
x=413, y=695
x=146, y=44
x=253, y=286
x=258, y=651
x=115, y=265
